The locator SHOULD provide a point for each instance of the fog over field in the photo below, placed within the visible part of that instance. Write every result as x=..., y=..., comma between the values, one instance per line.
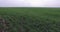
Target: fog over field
x=29, y=3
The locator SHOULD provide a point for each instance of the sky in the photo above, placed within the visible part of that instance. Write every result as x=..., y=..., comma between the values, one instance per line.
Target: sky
x=29, y=3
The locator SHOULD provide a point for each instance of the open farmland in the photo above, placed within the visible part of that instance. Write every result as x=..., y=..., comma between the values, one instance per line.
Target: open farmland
x=30, y=19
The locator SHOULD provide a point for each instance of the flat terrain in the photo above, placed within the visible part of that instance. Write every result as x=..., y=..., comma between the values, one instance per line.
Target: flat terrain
x=31, y=19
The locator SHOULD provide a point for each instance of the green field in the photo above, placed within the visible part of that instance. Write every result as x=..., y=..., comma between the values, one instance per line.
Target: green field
x=31, y=19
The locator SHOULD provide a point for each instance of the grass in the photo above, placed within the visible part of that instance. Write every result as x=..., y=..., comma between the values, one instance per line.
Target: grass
x=31, y=19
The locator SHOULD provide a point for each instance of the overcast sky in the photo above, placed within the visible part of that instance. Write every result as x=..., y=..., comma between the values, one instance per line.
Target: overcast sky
x=29, y=3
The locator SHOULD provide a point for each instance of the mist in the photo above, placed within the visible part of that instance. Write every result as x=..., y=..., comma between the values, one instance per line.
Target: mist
x=29, y=3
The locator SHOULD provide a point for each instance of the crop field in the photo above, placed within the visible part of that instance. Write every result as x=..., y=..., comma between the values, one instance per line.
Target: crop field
x=29, y=19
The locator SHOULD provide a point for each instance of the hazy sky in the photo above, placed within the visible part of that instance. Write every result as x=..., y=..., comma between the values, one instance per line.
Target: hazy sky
x=29, y=3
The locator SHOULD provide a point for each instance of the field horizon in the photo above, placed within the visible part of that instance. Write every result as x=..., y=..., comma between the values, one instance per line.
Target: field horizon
x=30, y=19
